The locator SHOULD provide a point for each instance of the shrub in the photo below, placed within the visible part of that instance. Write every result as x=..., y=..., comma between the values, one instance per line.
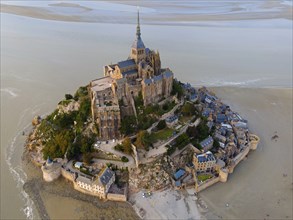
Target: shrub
x=124, y=159
x=128, y=125
x=177, y=89
x=68, y=96
x=161, y=125
x=188, y=109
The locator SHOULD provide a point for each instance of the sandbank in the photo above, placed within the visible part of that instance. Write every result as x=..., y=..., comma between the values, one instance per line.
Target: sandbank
x=159, y=13
x=168, y=204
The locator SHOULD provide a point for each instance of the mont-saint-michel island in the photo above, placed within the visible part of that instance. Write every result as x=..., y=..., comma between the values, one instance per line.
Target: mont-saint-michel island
x=139, y=129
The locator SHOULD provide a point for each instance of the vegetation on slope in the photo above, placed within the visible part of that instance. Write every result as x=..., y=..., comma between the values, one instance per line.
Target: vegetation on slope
x=63, y=132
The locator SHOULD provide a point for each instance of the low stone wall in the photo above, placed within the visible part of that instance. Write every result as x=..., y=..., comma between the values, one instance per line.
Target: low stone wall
x=117, y=197
x=135, y=155
x=207, y=184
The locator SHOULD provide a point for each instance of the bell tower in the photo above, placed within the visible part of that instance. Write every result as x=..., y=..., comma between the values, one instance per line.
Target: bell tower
x=138, y=49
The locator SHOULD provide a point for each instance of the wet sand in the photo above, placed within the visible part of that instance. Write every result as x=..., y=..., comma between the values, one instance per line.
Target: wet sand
x=39, y=57
x=58, y=200
x=168, y=204
x=261, y=186
x=168, y=13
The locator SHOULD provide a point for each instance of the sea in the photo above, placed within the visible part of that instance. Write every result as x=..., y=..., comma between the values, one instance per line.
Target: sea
x=42, y=59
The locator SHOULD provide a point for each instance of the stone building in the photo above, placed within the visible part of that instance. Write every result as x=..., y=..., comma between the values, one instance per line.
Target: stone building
x=204, y=162
x=98, y=186
x=113, y=95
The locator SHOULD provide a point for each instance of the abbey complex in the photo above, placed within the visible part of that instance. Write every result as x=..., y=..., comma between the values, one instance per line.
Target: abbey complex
x=139, y=128
x=112, y=96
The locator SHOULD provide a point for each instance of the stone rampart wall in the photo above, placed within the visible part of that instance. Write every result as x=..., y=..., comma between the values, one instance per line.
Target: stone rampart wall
x=67, y=175
x=239, y=158
x=76, y=187
x=207, y=184
x=117, y=197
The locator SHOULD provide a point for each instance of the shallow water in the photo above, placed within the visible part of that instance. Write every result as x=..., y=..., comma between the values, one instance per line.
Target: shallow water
x=42, y=60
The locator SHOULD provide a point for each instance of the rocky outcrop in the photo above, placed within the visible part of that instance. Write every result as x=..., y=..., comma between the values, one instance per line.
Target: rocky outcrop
x=69, y=107
x=149, y=176
x=36, y=120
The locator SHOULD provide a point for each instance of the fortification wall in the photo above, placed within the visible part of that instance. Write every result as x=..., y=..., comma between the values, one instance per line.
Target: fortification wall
x=117, y=197
x=254, y=140
x=239, y=158
x=67, y=175
x=207, y=184
x=223, y=174
x=51, y=173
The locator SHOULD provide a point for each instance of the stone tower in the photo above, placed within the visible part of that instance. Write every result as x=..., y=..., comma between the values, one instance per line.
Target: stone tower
x=138, y=49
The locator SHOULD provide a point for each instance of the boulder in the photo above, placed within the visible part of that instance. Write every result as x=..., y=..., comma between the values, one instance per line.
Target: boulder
x=36, y=120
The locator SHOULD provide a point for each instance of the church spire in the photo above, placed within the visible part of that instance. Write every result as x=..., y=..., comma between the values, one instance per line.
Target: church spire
x=138, y=25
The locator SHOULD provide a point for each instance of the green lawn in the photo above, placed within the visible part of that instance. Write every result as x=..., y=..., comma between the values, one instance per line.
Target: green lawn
x=161, y=135
x=184, y=119
x=204, y=177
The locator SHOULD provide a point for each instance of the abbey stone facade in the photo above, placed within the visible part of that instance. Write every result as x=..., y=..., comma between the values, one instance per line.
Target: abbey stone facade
x=112, y=96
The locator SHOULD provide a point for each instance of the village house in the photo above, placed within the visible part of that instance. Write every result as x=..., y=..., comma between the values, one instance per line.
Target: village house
x=204, y=162
x=171, y=120
x=178, y=177
x=98, y=186
x=207, y=143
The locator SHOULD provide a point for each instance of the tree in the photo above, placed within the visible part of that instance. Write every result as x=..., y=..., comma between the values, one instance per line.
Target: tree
x=87, y=157
x=138, y=100
x=68, y=96
x=142, y=139
x=127, y=145
x=188, y=109
x=203, y=130
x=81, y=92
x=161, y=125
x=192, y=131
x=177, y=89
x=124, y=159
x=128, y=125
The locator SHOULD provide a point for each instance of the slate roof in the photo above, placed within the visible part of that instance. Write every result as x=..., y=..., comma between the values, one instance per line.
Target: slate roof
x=241, y=125
x=158, y=78
x=206, y=142
x=78, y=164
x=126, y=63
x=129, y=72
x=172, y=118
x=179, y=174
x=206, y=112
x=221, y=118
x=178, y=183
x=148, y=81
x=167, y=74
x=193, y=96
x=208, y=156
x=106, y=176
x=137, y=43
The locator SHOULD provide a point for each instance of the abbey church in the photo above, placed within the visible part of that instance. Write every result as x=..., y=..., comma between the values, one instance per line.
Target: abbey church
x=112, y=96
